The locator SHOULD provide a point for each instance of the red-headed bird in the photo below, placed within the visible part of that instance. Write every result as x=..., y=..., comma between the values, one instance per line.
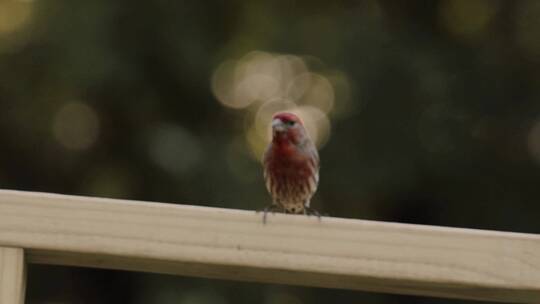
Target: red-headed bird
x=291, y=166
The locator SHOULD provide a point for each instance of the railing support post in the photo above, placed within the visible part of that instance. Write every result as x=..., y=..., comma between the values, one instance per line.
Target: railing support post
x=12, y=275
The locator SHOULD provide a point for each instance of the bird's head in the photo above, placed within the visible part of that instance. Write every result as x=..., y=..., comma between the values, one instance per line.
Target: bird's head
x=287, y=126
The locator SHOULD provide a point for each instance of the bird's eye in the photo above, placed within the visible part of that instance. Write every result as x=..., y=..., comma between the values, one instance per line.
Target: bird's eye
x=290, y=123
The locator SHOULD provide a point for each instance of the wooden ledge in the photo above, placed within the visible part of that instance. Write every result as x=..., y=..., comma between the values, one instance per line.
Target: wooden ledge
x=234, y=244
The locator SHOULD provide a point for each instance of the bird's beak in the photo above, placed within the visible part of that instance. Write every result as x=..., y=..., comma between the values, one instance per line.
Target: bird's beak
x=278, y=125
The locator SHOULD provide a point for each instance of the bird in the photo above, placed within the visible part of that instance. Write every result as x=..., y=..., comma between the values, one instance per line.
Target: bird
x=291, y=166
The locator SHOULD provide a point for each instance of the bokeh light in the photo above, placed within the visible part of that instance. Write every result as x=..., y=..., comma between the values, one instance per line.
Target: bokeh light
x=14, y=14
x=313, y=89
x=316, y=122
x=468, y=19
x=76, y=126
x=263, y=116
x=264, y=83
x=256, y=77
x=343, y=104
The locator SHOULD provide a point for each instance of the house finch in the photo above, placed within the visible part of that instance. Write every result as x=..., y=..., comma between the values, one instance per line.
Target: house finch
x=291, y=166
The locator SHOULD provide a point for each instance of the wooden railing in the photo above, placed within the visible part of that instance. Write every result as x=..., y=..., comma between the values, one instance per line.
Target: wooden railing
x=234, y=244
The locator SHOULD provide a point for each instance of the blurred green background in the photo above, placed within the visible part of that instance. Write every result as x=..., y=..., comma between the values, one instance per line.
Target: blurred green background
x=425, y=112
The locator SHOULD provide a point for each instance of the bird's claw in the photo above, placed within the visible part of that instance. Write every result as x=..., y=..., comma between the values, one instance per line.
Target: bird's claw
x=310, y=211
x=270, y=208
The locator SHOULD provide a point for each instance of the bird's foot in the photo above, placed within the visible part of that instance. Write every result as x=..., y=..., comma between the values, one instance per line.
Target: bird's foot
x=311, y=211
x=270, y=208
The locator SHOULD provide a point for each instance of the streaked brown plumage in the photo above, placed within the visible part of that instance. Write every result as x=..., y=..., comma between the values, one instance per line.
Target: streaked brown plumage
x=291, y=166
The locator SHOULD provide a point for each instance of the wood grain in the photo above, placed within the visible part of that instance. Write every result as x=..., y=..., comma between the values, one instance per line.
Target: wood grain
x=234, y=244
x=12, y=275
